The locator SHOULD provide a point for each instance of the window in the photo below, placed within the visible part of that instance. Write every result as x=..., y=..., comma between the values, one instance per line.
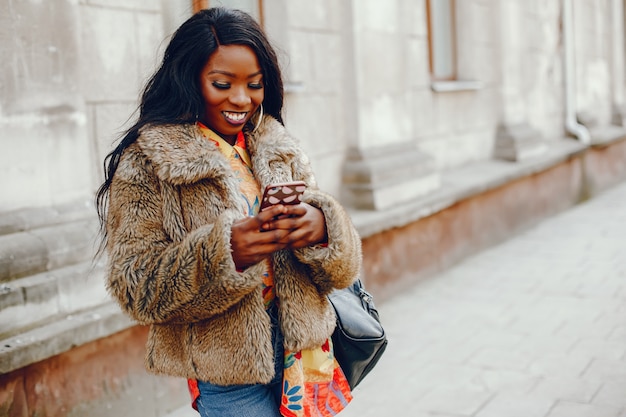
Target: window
x=442, y=39
x=442, y=42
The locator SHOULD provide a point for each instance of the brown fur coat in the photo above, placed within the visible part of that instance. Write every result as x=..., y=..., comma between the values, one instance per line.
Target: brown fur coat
x=172, y=202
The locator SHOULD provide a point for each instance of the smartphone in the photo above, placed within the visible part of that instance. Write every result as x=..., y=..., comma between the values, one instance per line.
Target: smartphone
x=283, y=193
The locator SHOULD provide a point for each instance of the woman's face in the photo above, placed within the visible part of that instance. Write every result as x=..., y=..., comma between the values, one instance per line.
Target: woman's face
x=232, y=88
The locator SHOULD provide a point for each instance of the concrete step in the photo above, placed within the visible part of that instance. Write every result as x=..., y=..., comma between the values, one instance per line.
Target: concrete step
x=32, y=218
x=46, y=248
x=50, y=285
x=60, y=335
x=36, y=299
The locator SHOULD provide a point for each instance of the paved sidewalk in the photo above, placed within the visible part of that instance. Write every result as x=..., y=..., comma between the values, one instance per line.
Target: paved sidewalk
x=534, y=327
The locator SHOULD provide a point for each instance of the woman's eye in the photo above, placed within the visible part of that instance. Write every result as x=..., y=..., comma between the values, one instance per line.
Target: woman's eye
x=221, y=86
x=256, y=86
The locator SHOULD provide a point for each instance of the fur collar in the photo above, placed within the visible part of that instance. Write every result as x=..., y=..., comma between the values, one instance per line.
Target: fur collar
x=182, y=155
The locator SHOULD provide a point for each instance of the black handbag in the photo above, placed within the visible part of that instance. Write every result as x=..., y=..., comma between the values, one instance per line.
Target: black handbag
x=359, y=339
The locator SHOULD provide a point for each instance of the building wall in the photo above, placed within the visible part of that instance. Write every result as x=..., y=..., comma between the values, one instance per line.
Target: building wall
x=69, y=77
x=457, y=128
x=42, y=114
x=120, y=44
x=72, y=70
x=359, y=97
x=316, y=64
x=594, y=49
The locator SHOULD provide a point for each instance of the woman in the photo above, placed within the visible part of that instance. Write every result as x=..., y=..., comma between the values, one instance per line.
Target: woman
x=235, y=298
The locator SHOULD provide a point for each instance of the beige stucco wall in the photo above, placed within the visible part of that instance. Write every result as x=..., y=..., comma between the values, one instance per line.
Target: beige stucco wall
x=69, y=77
x=71, y=71
x=121, y=41
x=45, y=152
x=594, y=50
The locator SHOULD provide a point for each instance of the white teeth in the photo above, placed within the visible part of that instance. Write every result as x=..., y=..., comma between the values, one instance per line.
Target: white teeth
x=237, y=117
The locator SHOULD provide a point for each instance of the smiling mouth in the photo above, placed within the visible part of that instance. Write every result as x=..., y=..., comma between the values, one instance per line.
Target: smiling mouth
x=235, y=117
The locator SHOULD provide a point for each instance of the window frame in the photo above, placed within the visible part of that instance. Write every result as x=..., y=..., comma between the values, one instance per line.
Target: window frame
x=450, y=46
x=449, y=82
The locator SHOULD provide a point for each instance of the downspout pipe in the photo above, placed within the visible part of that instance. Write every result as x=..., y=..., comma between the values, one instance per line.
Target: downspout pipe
x=571, y=124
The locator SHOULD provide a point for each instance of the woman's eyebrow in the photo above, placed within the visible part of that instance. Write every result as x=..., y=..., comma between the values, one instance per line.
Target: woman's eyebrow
x=230, y=74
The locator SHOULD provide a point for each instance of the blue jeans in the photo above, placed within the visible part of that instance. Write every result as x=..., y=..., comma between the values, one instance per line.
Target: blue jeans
x=254, y=400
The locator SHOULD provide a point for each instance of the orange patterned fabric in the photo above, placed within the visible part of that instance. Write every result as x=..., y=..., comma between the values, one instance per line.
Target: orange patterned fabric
x=313, y=383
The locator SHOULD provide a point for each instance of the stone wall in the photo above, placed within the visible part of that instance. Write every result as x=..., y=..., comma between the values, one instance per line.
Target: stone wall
x=70, y=74
x=45, y=158
x=357, y=77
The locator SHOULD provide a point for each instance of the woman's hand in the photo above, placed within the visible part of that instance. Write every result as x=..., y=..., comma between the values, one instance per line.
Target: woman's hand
x=304, y=223
x=278, y=227
x=251, y=243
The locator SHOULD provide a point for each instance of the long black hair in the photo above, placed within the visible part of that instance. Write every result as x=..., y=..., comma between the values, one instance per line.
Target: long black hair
x=173, y=94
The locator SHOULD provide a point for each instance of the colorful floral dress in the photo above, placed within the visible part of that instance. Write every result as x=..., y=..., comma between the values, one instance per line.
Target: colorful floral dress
x=313, y=383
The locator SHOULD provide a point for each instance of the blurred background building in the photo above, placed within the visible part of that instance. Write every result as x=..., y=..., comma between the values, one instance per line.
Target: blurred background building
x=444, y=126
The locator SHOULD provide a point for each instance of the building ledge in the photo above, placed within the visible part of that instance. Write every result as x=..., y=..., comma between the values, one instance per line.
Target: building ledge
x=61, y=335
x=462, y=183
x=455, y=86
x=603, y=136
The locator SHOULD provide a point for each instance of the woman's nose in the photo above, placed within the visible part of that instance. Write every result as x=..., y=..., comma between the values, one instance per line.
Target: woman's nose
x=240, y=97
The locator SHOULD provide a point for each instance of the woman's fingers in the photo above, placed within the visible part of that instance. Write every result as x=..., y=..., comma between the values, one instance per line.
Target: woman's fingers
x=270, y=213
x=306, y=225
x=250, y=244
x=275, y=228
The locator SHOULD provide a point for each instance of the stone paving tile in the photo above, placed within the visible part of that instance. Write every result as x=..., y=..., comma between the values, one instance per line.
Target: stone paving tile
x=461, y=402
x=568, y=389
x=600, y=328
x=547, y=344
x=618, y=334
x=607, y=370
x=599, y=349
x=512, y=405
x=571, y=409
x=502, y=359
x=612, y=394
x=560, y=365
x=503, y=381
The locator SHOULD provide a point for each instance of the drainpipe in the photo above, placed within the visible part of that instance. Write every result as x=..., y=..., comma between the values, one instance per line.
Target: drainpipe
x=571, y=124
